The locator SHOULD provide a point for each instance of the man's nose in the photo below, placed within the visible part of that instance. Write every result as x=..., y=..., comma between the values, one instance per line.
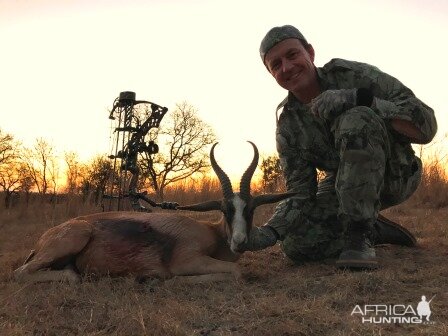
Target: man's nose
x=286, y=65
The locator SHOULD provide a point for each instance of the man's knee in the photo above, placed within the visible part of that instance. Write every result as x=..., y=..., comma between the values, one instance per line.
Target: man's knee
x=361, y=139
x=359, y=125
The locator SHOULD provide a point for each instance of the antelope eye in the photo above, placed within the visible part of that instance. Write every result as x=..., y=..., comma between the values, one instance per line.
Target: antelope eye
x=230, y=212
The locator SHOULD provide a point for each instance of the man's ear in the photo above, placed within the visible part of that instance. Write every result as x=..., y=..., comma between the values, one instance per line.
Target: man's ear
x=309, y=48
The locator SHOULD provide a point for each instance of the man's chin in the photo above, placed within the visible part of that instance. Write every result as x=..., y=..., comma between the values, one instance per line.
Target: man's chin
x=296, y=88
x=298, y=84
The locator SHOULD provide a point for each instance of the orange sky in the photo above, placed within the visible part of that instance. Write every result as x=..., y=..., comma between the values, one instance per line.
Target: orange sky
x=64, y=62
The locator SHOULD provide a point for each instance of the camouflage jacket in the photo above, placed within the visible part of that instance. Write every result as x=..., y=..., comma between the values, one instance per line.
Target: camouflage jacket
x=306, y=143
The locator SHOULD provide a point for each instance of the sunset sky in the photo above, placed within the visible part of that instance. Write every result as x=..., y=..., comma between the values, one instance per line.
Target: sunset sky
x=63, y=62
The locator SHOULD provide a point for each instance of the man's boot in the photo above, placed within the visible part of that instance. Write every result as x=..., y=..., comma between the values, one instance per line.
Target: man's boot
x=358, y=252
x=389, y=232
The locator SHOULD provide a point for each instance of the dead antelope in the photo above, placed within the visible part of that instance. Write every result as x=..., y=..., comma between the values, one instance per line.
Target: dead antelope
x=147, y=245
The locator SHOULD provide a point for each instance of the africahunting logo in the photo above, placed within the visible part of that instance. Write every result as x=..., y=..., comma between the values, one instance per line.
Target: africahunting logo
x=398, y=313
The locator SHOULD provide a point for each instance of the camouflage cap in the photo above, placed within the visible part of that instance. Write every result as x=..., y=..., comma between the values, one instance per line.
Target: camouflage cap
x=278, y=34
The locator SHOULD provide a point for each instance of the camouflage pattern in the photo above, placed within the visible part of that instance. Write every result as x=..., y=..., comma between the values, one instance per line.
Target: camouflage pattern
x=278, y=34
x=369, y=166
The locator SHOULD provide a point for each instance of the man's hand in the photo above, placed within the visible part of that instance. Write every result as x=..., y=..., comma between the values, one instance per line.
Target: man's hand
x=261, y=238
x=331, y=103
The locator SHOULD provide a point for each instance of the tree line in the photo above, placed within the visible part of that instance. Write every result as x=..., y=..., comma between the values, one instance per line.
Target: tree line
x=184, y=140
x=183, y=136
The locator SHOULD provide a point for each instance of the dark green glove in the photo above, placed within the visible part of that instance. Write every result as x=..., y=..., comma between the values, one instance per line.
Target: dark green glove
x=261, y=238
x=331, y=103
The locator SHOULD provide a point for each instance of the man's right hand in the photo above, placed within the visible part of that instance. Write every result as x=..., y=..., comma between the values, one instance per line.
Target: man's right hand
x=261, y=238
x=331, y=103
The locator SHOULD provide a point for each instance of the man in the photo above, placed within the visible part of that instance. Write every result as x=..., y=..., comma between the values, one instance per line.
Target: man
x=356, y=124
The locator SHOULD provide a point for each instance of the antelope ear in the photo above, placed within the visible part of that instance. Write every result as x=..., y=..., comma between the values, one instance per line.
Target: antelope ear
x=271, y=198
x=205, y=206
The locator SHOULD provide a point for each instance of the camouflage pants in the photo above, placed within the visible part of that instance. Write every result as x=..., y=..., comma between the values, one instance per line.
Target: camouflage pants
x=375, y=172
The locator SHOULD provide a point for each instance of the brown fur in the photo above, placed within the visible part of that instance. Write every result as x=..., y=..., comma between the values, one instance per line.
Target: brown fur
x=130, y=243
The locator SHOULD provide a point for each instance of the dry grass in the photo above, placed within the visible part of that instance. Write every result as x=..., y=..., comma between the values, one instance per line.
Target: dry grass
x=274, y=298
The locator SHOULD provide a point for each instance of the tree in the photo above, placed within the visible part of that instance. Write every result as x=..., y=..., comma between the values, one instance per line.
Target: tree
x=9, y=166
x=73, y=172
x=54, y=174
x=9, y=181
x=272, y=179
x=40, y=162
x=25, y=180
x=95, y=177
x=6, y=147
x=185, y=139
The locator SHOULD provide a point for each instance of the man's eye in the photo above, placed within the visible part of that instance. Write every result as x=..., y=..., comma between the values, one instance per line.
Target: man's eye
x=293, y=54
x=275, y=66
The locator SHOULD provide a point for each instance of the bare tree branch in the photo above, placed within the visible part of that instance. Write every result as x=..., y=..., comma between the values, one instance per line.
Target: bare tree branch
x=38, y=162
x=187, y=139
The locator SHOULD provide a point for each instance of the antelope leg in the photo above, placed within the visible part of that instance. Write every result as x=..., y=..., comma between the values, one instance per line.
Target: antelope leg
x=200, y=265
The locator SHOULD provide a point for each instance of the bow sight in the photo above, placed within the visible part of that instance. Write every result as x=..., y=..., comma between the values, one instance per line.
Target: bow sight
x=133, y=120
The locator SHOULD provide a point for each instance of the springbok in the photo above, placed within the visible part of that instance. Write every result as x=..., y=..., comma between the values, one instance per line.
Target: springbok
x=151, y=245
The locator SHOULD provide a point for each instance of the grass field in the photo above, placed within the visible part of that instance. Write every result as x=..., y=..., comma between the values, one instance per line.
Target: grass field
x=274, y=297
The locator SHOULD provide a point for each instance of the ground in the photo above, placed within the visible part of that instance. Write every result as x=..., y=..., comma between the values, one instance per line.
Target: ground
x=274, y=297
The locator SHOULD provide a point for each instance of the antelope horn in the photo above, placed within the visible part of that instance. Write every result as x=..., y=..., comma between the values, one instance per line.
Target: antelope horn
x=247, y=176
x=272, y=198
x=224, y=180
x=205, y=206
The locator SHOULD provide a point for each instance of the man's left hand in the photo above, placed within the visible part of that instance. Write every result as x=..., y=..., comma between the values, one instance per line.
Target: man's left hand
x=331, y=103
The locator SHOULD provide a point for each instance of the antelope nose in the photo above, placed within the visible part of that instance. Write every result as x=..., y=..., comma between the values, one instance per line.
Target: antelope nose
x=239, y=238
x=239, y=246
x=237, y=249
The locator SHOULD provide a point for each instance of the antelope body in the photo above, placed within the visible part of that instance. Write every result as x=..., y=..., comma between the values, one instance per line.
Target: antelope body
x=148, y=245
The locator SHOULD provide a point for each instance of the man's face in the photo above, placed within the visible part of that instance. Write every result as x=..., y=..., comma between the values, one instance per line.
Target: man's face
x=292, y=65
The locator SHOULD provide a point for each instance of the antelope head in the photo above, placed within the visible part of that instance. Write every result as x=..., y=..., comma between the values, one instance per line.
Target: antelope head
x=237, y=207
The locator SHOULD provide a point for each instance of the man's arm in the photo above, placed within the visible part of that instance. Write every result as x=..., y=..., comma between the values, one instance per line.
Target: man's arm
x=364, y=84
x=408, y=115
x=408, y=129
x=300, y=176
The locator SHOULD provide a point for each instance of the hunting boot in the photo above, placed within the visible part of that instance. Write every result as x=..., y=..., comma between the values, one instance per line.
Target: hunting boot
x=389, y=232
x=358, y=252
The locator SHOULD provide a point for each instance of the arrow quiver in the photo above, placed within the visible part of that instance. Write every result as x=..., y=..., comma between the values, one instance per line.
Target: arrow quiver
x=133, y=120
